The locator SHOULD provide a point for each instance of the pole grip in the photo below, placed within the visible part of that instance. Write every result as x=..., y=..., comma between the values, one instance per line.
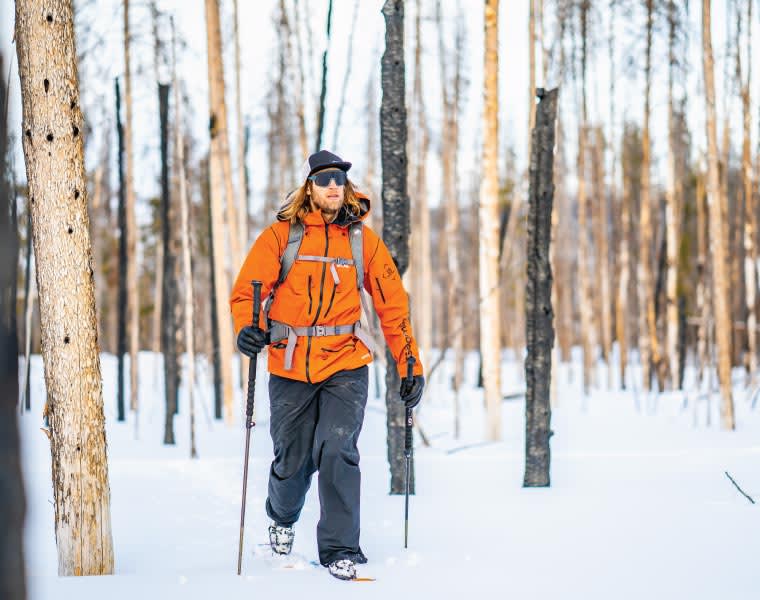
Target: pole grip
x=256, y=301
x=252, y=365
x=409, y=422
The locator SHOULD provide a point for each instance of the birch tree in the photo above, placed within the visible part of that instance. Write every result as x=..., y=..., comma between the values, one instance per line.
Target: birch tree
x=124, y=260
x=648, y=349
x=54, y=157
x=490, y=317
x=588, y=339
x=187, y=273
x=133, y=298
x=422, y=305
x=750, y=214
x=218, y=134
x=449, y=142
x=717, y=230
x=323, y=92
x=673, y=207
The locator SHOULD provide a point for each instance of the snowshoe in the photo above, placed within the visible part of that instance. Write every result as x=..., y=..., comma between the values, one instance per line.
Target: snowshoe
x=342, y=569
x=281, y=539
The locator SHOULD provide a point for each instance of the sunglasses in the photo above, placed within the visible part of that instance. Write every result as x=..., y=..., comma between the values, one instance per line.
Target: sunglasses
x=323, y=178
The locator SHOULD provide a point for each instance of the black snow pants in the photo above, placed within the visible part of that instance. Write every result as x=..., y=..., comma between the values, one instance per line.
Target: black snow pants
x=315, y=427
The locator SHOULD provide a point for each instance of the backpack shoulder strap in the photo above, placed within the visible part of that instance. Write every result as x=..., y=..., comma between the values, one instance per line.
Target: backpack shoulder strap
x=356, y=236
x=295, y=235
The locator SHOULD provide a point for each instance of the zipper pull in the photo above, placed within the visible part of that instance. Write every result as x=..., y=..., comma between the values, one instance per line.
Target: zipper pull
x=334, y=272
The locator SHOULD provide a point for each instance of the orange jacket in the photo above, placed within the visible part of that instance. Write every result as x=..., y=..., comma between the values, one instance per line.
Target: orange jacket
x=309, y=297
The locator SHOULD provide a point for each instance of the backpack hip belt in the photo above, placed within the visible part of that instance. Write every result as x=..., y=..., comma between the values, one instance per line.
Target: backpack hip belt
x=279, y=331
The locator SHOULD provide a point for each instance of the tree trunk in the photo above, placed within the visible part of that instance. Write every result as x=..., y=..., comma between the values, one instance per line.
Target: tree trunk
x=421, y=246
x=393, y=136
x=217, y=125
x=704, y=312
x=301, y=92
x=538, y=306
x=673, y=211
x=648, y=350
x=750, y=214
x=490, y=313
x=133, y=298
x=168, y=340
x=240, y=145
x=214, y=357
x=624, y=245
x=717, y=231
x=601, y=236
x=29, y=294
x=323, y=93
x=54, y=156
x=187, y=271
x=450, y=197
x=346, y=76
x=531, y=74
x=588, y=339
x=12, y=501
x=121, y=339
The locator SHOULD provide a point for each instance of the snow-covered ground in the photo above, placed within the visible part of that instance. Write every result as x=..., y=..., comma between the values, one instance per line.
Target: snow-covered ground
x=639, y=506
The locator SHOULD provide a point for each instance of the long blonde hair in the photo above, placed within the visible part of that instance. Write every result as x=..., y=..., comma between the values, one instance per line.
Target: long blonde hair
x=297, y=204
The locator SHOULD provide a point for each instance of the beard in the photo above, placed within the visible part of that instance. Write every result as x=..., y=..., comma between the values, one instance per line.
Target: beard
x=328, y=207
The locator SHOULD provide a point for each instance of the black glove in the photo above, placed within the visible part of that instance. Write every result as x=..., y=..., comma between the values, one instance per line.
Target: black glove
x=411, y=392
x=251, y=340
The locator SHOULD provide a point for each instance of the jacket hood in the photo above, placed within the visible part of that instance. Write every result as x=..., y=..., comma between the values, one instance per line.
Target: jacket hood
x=344, y=217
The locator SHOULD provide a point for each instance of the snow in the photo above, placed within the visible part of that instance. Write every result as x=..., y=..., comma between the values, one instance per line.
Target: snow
x=639, y=505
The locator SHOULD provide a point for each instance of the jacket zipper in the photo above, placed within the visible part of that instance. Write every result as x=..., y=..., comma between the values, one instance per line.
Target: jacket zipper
x=332, y=297
x=309, y=294
x=319, y=306
x=380, y=289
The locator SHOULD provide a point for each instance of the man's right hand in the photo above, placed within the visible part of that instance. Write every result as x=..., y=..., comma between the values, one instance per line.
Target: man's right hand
x=251, y=340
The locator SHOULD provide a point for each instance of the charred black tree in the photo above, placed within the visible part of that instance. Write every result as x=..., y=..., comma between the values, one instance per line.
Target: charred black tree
x=395, y=213
x=323, y=92
x=121, y=337
x=12, y=503
x=538, y=297
x=169, y=297
x=214, y=360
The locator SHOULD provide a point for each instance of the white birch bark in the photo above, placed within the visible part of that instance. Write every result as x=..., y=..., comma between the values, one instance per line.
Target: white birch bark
x=187, y=274
x=219, y=147
x=490, y=317
x=715, y=200
x=133, y=298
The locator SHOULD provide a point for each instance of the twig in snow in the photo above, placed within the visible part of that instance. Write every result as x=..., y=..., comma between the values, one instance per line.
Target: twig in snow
x=738, y=488
x=468, y=447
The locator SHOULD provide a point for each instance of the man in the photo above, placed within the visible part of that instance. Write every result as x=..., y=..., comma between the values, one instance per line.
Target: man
x=313, y=263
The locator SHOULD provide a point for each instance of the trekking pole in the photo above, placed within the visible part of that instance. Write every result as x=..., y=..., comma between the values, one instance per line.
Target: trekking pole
x=408, y=447
x=249, y=424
